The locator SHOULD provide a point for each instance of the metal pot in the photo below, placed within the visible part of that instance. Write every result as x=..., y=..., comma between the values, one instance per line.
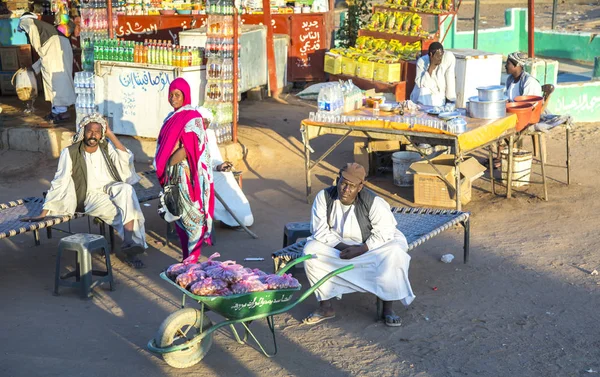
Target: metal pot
x=486, y=109
x=491, y=93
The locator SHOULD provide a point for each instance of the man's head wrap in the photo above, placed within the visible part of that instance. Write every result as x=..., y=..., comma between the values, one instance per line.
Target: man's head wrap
x=91, y=118
x=24, y=26
x=518, y=58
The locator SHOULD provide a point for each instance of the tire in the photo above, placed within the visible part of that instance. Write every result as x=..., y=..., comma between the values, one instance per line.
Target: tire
x=183, y=319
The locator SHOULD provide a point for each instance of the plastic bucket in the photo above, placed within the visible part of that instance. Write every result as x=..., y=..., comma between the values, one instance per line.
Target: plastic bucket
x=536, y=102
x=402, y=161
x=524, y=110
x=521, y=167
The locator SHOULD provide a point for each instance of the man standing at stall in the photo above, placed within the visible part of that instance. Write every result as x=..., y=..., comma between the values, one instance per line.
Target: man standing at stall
x=351, y=225
x=435, y=81
x=55, y=64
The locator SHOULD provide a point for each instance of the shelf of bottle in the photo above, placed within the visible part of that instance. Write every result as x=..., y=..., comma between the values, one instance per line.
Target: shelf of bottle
x=398, y=8
x=148, y=65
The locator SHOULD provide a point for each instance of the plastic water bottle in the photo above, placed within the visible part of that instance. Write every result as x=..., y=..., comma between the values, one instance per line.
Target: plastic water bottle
x=321, y=100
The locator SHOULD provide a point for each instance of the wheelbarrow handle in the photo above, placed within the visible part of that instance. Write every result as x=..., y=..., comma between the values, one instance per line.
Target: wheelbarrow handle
x=294, y=262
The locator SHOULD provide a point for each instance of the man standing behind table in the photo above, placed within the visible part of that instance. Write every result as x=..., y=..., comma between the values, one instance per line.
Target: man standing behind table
x=352, y=225
x=55, y=64
x=96, y=177
x=435, y=81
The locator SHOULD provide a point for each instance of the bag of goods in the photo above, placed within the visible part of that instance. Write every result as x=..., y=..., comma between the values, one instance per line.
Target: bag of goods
x=390, y=22
x=255, y=271
x=407, y=22
x=191, y=276
x=250, y=283
x=280, y=282
x=210, y=262
x=176, y=269
x=210, y=287
x=228, y=271
x=25, y=84
x=416, y=23
x=446, y=4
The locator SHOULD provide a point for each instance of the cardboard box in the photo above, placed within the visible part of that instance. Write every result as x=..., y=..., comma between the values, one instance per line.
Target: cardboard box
x=13, y=57
x=364, y=152
x=364, y=70
x=385, y=72
x=348, y=66
x=6, y=86
x=431, y=190
x=333, y=63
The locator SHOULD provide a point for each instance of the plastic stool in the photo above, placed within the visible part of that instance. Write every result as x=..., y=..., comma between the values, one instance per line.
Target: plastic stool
x=293, y=231
x=84, y=244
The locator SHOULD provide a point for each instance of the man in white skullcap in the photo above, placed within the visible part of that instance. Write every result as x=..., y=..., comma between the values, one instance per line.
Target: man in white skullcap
x=95, y=177
x=55, y=64
x=519, y=82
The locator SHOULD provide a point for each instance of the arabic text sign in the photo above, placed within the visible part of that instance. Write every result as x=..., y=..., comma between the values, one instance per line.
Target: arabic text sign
x=145, y=79
x=259, y=302
x=310, y=40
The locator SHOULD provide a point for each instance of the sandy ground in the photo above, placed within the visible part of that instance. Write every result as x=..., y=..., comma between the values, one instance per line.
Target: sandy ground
x=570, y=15
x=525, y=305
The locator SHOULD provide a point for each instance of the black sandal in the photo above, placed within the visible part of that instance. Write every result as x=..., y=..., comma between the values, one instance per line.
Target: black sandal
x=61, y=118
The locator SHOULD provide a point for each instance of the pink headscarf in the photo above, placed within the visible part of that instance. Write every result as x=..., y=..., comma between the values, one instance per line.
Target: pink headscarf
x=172, y=134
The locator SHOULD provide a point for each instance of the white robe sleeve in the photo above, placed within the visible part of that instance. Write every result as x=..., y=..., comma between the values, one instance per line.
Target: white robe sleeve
x=450, y=75
x=213, y=147
x=123, y=161
x=60, y=199
x=319, y=226
x=383, y=223
x=423, y=79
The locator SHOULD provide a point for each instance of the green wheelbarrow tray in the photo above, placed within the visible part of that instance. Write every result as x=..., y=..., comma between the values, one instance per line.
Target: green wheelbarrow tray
x=245, y=308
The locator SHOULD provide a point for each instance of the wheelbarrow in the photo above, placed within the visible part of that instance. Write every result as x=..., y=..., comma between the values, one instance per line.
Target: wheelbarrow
x=185, y=336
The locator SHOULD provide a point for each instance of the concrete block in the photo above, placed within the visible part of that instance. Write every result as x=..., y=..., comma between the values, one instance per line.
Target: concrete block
x=233, y=152
x=4, y=138
x=65, y=139
x=537, y=68
x=256, y=94
x=23, y=139
x=551, y=72
x=143, y=149
x=48, y=142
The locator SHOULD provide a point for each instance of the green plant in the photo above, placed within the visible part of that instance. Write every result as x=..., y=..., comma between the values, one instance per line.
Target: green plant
x=356, y=18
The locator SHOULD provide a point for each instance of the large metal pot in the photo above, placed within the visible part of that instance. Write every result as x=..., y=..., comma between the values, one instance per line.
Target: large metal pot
x=491, y=93
x=486, y=109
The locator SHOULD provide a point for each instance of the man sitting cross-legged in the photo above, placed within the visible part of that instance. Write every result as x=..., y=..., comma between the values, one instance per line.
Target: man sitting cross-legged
x=352, y=225
x=95, y=177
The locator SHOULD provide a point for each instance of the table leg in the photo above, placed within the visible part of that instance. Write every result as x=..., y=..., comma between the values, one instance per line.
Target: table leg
x=543, y=162
x=510, y=166
x=568, y=158
x=307, y=169
x=492, y=179
x=457, y=193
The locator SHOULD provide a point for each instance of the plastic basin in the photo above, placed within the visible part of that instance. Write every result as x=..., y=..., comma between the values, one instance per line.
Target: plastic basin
x=537, y=103
x=524, y=111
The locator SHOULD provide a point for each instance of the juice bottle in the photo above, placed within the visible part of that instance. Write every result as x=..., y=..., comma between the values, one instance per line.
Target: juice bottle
x=189, y=57
x=176, y=57
x=170, y=55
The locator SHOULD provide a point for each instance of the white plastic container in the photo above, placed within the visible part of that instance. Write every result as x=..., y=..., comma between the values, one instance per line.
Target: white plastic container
x=522, y=160
x=475, y=68
x=402, y=161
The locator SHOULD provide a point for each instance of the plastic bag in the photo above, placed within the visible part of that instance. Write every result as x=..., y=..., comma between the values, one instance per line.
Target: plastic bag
x=191, y=276
x=280, y=282
x=210, y=262
x=25, y=84
x=228, y=271
x=176, y=269
x=210, y=287
x=250, y=283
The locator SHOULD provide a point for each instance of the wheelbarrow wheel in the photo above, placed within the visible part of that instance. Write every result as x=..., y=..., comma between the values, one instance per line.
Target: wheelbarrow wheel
x=178, y=328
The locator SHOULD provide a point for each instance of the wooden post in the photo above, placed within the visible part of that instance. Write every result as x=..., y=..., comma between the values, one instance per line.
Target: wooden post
x=111, y=33
x=530, y=26
x=236, y=58
x=270, y=48
x=476, y=25
x=554, y=9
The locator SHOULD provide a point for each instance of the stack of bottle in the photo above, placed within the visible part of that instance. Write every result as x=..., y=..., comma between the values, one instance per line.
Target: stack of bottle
x=93, y=28
x=340, y=97
x=219, y=50
x=84, y=88
x=150, y=52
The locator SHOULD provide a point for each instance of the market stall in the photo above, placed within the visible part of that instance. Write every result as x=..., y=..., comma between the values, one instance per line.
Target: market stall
x=413, y=130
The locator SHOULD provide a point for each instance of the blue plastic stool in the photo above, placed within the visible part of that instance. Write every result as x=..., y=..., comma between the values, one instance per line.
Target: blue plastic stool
x=293, y=231
x=84, y=245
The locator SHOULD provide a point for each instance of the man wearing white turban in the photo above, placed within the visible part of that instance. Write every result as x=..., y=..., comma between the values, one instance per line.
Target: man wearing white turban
x=95, y=177
x=55, y=64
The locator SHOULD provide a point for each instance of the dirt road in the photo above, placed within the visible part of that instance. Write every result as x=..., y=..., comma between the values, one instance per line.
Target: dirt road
x=525, y=305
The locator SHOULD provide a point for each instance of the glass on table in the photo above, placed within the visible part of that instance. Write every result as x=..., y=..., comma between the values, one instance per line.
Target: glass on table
x=311, y=116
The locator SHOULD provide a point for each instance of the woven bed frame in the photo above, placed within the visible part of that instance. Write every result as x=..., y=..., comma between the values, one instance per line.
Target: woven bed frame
x=146, y=189
x=418, y=225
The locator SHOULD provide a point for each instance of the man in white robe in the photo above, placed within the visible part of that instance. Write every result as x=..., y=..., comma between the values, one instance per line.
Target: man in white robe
x=435, y=80
x=351, y=225
x=227, y=188
x=55, y=64
x=96, y=177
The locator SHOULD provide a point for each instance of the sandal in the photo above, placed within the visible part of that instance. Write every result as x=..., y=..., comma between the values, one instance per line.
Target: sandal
x=392, y=320
x=316, y=317
x=61, y=118
x=133, y=262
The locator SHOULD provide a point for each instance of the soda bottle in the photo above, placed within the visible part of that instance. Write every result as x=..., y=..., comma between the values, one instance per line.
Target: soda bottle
x=145, y=55
x=170, y=55
x=189, y=57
